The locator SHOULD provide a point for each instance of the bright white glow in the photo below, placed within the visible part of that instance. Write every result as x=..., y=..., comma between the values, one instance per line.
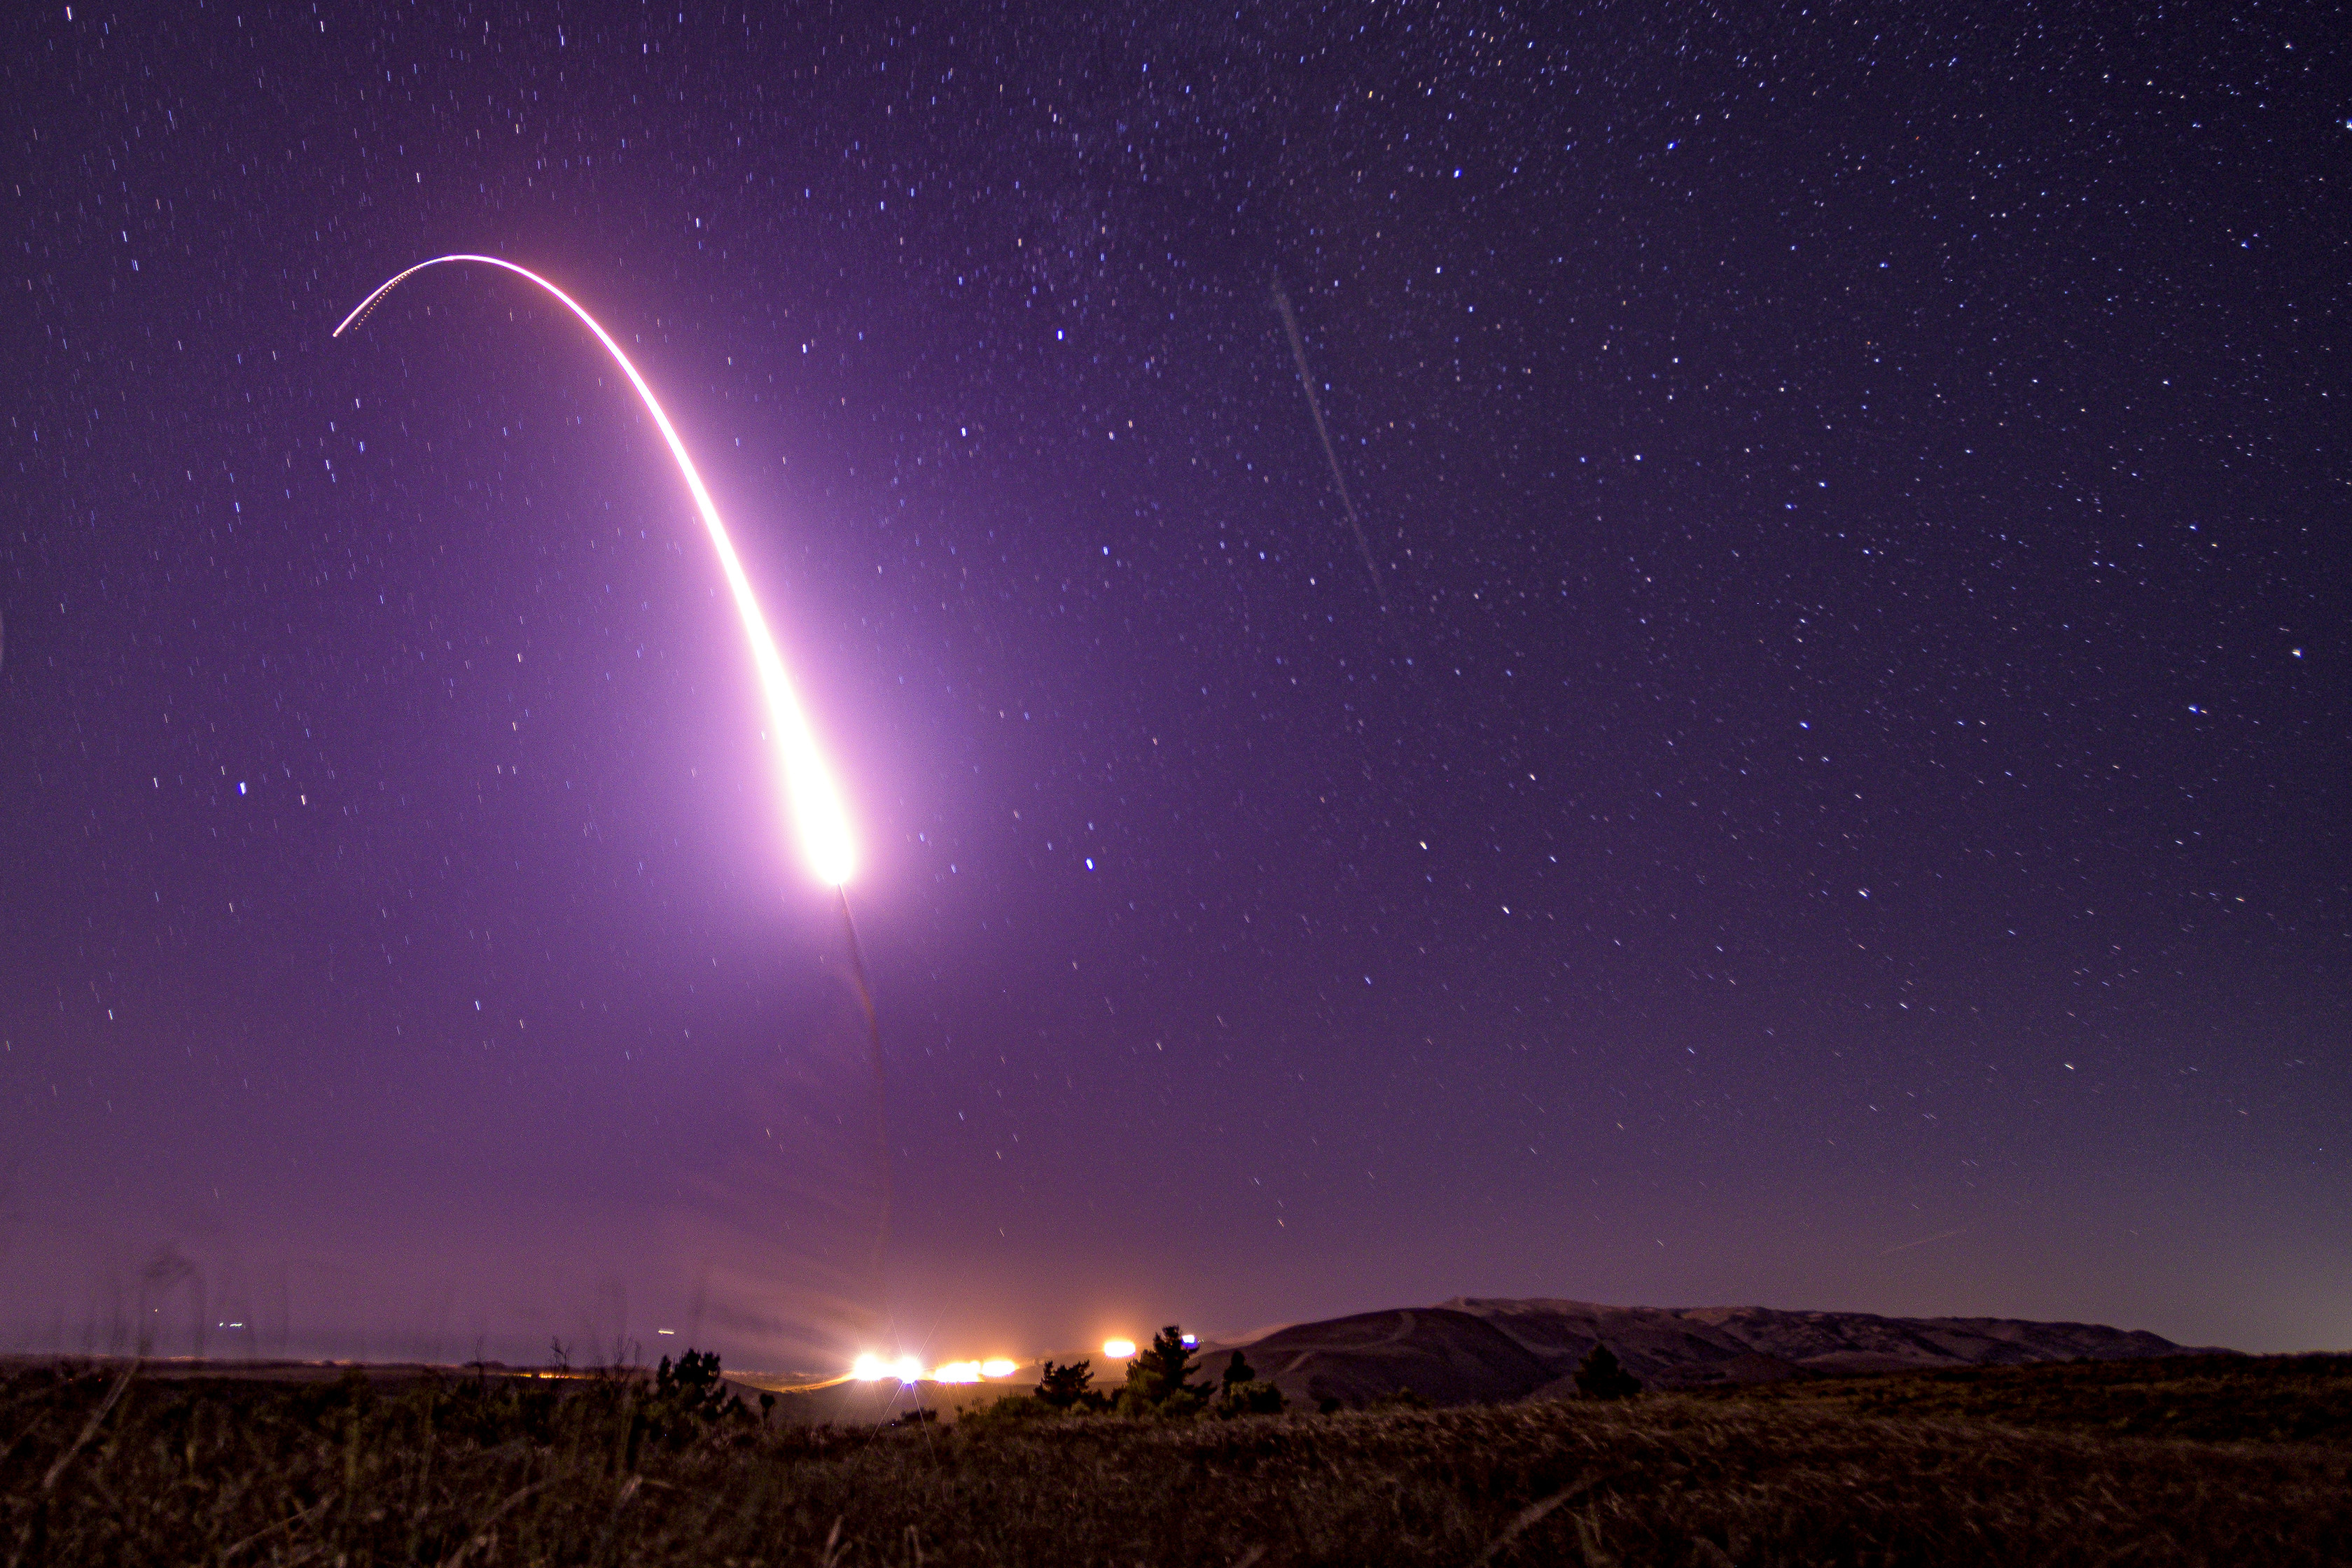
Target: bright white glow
x=871, y=1368
x=1119, y=1348
x=818, y=817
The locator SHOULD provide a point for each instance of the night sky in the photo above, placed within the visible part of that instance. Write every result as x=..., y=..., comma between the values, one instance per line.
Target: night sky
x=1844, y=805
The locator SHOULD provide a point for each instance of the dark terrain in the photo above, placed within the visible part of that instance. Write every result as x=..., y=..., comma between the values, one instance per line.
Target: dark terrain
x=1480, y=1350
x=2196, y=1459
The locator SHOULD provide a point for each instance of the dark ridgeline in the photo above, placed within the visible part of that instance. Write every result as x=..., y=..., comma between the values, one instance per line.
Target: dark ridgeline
x=1478, y=1350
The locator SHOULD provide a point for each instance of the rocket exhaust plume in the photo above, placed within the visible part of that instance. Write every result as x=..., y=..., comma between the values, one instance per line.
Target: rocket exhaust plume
x=881, y=1097
x=817, y=817
x=813, y=802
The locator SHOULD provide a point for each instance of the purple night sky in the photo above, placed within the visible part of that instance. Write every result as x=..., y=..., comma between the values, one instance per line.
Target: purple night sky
x=1844, y=807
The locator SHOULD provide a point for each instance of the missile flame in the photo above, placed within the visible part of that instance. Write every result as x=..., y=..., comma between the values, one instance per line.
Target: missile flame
x=813, y=802
x=815, y=806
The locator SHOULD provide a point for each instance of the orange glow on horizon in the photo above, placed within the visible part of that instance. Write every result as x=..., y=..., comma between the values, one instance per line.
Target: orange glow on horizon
x=872, y=1368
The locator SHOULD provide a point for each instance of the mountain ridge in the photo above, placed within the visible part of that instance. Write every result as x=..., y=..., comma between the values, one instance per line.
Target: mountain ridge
x=1491, y=1350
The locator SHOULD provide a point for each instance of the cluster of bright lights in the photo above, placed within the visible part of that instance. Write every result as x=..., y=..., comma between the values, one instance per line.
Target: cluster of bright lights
x=907, y=1369
x=874, y=1368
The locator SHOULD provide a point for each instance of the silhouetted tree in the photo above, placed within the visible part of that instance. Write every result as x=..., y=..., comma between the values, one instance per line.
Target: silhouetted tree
x=1161, y=1376
x=1241, y=1394
x=1601, y=1375
x=687, y=1397
x=1066, y=1387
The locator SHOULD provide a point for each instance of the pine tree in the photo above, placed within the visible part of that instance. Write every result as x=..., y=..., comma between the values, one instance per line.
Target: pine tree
x=1066, y=1387
x=1163, y=1372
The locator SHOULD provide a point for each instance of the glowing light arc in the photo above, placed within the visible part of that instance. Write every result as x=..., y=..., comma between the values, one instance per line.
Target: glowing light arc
x=819, y=820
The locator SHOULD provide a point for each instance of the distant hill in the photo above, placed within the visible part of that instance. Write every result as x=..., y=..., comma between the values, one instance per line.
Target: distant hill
x=1475, y=1351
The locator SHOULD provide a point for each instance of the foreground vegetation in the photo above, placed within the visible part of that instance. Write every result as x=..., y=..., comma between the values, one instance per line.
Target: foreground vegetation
x=101, y=1468
x=2208, y=1398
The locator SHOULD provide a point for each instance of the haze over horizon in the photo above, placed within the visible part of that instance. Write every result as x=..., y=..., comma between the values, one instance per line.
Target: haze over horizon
x=1843, y=806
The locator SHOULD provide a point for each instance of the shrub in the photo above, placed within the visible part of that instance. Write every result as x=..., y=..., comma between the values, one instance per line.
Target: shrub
x=1241, y=1394
x=1601, y=1375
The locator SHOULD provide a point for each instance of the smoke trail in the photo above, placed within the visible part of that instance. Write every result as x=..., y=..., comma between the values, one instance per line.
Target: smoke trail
x=1314, y=407
x=815, y=804
x=881, y=1099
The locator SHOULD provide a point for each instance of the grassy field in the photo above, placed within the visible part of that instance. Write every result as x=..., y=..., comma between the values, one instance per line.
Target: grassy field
x=2048, y=1465
x=2206, y=1398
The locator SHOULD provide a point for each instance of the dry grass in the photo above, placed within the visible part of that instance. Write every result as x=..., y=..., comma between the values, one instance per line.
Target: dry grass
x=517, y=1472
x=2209, y=1398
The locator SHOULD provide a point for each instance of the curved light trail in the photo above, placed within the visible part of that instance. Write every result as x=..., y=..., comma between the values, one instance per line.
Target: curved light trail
x=819, y=820
x=813, y=802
